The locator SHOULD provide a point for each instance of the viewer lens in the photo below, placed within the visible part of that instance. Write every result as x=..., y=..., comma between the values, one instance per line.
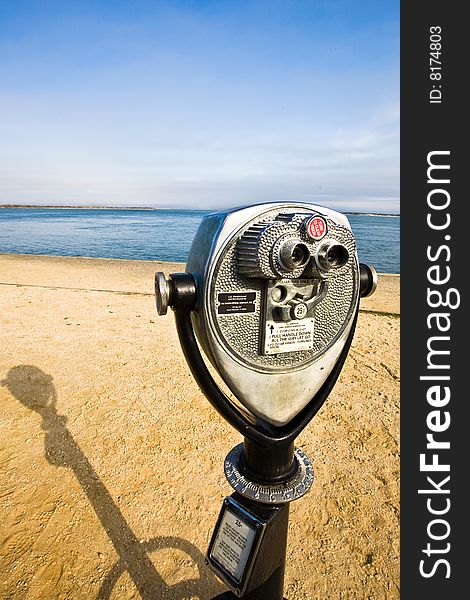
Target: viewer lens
x=299, y=255
x=332, y=256
x=293, y=254
x=337, y=256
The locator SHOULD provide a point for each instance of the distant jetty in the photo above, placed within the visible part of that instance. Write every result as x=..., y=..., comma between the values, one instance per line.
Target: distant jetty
x=371, y=214
x=83, y=207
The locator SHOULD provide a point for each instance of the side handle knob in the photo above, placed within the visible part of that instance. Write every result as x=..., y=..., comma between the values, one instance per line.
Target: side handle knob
x=179, y=292
x=162, y=293
x=368, y=280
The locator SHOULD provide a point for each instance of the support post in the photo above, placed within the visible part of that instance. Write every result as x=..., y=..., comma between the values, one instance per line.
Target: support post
x=265, y=466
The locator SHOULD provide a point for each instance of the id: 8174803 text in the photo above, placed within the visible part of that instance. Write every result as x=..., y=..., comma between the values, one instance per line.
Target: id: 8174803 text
x=435, y=64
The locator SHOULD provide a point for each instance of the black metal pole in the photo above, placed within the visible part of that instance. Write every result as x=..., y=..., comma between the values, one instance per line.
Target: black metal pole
x=267, y=465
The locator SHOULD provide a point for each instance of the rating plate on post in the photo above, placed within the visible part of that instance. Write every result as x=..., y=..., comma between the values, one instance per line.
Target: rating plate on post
x=234, y=544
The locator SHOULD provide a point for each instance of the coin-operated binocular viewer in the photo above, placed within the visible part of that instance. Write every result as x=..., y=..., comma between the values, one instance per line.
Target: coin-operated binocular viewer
x=271, y=295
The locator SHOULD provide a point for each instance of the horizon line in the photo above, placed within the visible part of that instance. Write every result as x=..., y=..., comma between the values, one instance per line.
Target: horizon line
x=110, y=207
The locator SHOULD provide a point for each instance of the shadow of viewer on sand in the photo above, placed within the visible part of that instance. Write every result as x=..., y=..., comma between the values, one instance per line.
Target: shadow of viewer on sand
x=34, y=388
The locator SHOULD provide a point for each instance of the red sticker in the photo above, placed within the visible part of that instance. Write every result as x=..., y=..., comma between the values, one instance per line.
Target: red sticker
x=316, y=228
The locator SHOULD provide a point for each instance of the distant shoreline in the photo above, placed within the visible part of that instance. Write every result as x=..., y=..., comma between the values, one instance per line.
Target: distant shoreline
x=83, y=207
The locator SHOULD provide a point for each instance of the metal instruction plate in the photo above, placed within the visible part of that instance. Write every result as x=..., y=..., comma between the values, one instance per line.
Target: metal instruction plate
x=291, y=336
x=236, y=302
x=233, y=543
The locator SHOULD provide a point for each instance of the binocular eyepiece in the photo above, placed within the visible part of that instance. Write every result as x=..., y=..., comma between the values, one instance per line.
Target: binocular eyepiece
x=288, y=246
x=331, y=256
x=293, y=254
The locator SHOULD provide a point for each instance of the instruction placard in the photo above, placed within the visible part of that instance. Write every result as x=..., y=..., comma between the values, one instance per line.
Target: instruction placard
x=291, y=336
x=233, y=544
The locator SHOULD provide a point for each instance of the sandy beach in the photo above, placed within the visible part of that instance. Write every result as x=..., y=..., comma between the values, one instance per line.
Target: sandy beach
x=111, y=460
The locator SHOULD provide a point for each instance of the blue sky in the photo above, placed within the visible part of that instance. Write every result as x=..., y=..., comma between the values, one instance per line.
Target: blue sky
x=200, y=104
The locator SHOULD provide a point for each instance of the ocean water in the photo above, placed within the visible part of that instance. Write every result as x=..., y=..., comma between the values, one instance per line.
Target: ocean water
x=156, y=234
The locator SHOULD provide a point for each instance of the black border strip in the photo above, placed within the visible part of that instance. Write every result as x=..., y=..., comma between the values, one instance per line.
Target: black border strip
x=437, y=127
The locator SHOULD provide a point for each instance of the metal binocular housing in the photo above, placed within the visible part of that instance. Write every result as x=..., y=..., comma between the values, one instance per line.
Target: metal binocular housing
x=271, y=293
